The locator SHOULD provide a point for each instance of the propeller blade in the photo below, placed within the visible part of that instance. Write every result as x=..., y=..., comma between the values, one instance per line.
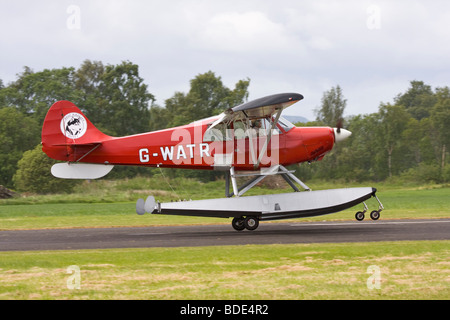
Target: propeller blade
x=339, y=125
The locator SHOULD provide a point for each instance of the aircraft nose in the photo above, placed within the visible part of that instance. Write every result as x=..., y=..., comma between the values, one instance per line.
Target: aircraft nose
x=341, y=134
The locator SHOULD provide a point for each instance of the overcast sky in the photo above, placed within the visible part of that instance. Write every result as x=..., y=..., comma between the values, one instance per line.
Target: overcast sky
x=372, y=49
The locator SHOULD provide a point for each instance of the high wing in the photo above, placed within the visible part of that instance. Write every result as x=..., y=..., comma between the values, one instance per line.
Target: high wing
x=265, y=107
x=260, y=108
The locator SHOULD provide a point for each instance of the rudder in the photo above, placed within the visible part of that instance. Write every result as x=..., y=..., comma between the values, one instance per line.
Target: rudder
x=67, y=133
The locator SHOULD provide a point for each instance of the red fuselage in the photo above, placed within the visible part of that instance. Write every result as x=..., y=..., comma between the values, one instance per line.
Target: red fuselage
x=185, y=147
x=68, y=135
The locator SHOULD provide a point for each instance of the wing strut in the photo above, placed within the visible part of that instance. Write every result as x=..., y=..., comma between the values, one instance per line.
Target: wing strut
x=250, y=141
x=269, y=136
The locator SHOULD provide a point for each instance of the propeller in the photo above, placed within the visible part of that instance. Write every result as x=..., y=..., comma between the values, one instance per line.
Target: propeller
x=339, y=125
x=340, y=134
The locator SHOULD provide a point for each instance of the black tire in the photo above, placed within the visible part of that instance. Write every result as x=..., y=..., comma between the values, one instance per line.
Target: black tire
x=359, y=216
x=375, y=215
x=238, y=224
x=251, y=223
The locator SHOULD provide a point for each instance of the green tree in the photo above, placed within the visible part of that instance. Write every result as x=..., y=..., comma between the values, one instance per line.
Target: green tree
x=331, y=114
x=18, y=133
x=114, y=97
x=2, y=96
x=360, y=161
x=332, y=108
x=408, y=138
x=394, y=120
x=33, y=174
x=417, y=100
x=159, y=118
x=207, y=97
x=419, y=137
x=440, y=117
x=88, y=77
x=123, y=100
x=176, y=112
x=34, y=92
x=87, y=80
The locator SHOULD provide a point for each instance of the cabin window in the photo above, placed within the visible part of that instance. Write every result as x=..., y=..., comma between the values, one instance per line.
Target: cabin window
x=264, y=126
x=257, y=128
x=242, y=129
x=239, y=130
x=285, y=124
x=220, y=132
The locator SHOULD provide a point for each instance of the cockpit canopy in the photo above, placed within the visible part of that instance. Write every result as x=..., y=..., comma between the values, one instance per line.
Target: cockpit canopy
x=241, y=129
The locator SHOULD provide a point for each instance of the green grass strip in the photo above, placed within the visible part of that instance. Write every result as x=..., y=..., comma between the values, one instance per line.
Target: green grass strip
x=379, y=270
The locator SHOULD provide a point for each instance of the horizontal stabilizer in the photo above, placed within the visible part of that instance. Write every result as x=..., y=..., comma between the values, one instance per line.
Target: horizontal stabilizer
x=80, y=170
x=90, y=144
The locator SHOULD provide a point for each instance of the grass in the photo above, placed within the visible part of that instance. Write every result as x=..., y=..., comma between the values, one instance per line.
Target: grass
x=407, y=270
x=107, y=203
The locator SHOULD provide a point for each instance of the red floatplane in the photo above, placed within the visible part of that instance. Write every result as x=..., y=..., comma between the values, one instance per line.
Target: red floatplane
x=249, y=140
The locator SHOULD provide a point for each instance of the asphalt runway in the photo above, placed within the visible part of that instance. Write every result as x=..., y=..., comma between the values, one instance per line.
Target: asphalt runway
x=217, y=235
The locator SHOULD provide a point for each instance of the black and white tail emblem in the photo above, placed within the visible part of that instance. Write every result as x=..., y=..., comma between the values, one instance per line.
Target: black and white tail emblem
x=73, y=125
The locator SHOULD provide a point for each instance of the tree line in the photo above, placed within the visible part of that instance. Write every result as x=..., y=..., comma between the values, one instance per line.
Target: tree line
x=114, y=97
x=408, y=138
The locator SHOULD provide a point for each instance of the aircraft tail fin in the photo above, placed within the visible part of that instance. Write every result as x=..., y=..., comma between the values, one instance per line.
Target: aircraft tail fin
x=68, y=135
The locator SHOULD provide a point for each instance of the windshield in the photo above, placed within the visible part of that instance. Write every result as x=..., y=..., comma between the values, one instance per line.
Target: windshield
x=285, y=124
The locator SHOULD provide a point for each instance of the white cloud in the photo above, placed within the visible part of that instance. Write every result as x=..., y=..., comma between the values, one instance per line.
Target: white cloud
x=284, y=45
x=245, y=33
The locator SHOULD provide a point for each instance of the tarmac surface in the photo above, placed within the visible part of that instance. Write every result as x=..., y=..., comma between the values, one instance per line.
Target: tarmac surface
x=224, y=234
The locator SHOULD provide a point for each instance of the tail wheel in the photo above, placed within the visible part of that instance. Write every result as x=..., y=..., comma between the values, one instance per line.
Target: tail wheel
x=251, y=223
x=238, y=224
